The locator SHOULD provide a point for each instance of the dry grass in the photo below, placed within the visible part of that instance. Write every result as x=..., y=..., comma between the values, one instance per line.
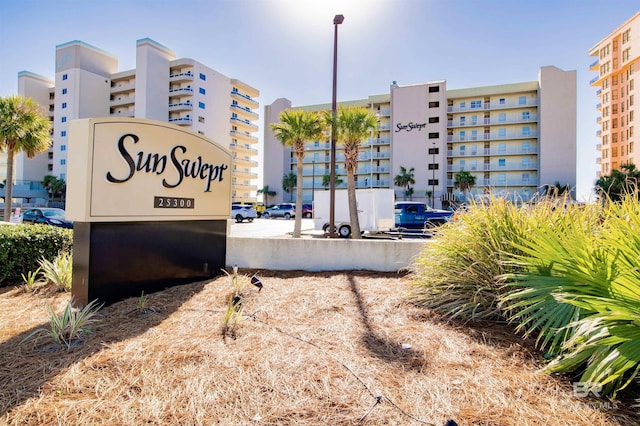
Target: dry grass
x=312, y=349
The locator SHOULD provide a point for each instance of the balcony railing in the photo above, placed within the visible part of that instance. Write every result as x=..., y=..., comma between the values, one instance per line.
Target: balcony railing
x=493, y=106
x=245, y=97
x=122, y=101
x=593, y=80
x=243, y=135
x=183, y=121
x=244, y=122
x=494, y=167
x=245, y=110
x=183, y=76
x=493, y=136
x=487, y=121
x=501, y=183
x=181, y=106
x=181, y=90
x=515, y=150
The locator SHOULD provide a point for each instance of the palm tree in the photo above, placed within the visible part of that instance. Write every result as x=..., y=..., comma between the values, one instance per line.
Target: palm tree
x=353, y=125
x=295, y=128
x=464, y=180
x=23, y=128
x=326, y=181
x=619, y=183
x=289, y=181
x=556, y=190
x=54, y=186
x=266, y=193
x=405, y=179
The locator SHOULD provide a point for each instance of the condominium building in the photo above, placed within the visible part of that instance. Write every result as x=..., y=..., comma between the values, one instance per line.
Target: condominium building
x=618, y=55
x=184, y=92
x=513, y=138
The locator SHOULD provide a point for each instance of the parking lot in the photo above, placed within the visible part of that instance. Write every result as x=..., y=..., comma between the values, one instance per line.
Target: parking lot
x=270, y=228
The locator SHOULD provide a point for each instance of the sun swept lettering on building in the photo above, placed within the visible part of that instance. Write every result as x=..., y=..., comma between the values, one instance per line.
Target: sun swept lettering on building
x=136, y=169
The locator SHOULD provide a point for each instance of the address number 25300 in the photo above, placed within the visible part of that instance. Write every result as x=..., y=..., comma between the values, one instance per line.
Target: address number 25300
x=173, y=203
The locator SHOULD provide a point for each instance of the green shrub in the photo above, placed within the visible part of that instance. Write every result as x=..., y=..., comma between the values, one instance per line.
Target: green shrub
x=22, y=246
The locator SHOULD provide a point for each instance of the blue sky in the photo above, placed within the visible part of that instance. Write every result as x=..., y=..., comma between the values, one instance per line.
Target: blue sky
x=285, y=47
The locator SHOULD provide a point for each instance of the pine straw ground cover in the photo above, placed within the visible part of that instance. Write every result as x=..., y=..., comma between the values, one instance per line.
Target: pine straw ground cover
x=312, y=349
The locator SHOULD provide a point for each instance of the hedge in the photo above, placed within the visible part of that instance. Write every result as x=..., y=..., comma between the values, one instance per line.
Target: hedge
x=21, y=246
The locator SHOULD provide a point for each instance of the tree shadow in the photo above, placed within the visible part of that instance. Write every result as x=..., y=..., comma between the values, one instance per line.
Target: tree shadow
x=378, y=345
x=26, y=366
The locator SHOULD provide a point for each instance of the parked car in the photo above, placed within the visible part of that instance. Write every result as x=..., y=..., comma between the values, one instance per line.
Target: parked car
x=241, y=212
x=307, y=211
x=417, y=215
x=47, y=216
x=285, y=210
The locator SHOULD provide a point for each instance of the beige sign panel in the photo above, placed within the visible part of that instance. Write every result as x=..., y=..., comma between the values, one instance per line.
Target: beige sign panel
x=144, y=170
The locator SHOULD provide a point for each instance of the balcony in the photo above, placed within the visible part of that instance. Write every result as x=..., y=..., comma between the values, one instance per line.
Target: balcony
x=181, y=77
x=181, y=106
x=244, y=149
x=512, y=150
x=122, y=87
x=244, y=123
x=383, y=127
x=181, y=121
x=494, y=167
x=321, y=146
x=532, y=118
x=243, y=135
x=129, y=100
x=502, y=183
x=598, y=133
x=593, y=80
x=493, y=136
x=244, y=161
x=181, y=91
x=377, y=142
x=598, y=160
x=598, y=106
x=594, y=65
x=494, y=106
x=244, y=111
x=245, y=98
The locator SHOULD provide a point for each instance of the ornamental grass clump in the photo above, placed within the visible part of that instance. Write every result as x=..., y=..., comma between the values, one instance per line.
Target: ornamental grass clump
x=461, y=272
x=58, y=271
x=233, y=313
x=69, y=328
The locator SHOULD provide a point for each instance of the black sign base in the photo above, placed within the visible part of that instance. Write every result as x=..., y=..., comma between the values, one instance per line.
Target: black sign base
x=113, y=261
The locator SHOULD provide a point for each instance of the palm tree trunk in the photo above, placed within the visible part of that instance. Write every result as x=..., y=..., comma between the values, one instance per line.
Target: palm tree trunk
x=353, y=205
x=297, y=227
x=8, y=187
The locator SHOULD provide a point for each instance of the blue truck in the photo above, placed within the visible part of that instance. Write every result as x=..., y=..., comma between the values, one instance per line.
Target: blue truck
x=417, y=215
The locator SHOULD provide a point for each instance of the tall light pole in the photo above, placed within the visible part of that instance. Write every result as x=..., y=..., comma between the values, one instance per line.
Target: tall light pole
x=337, y=20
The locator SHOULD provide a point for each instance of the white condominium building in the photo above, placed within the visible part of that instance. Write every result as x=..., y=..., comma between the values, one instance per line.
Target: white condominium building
x=180, y=91
x=618, y=56
x=513, y=138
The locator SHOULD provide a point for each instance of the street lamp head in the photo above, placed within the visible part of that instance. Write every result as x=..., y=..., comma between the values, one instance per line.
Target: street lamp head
x=338, y=19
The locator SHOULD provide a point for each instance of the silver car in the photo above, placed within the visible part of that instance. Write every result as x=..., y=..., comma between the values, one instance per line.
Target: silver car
x=241, y=212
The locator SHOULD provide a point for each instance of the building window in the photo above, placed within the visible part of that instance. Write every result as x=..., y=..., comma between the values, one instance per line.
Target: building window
x=526, y=131
x=63, y=133
x=65, y=76
x=474, y=135
x=502, y=162
x=522, y=100
x=463, y=104
x=502, y=117
x=502, y=147
x=434, y=119
x=526, y=115
x=502, y=178
x=63, y=162
x=476, y=104
x=202, y=91
x=502, y=132
x=502, y=101
x=434, y=151
x=462, y=164
x=63, y=120
x=433, y=182
x=200, y=119
x=203, y=77
x=525, y=163
x=64, y=91
x=64, y=105
x=463, y=119
x=525, y=178
x=434, y=166
x=63, y=147
x=462, y=135
x=201, y=105
x=434, y=89
x=474, y=120
x=434, y=104
x=526, y=146
x=434, y=135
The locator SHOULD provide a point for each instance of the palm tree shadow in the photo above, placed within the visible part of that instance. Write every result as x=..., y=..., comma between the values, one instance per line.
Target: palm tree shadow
x=381, y=347
x=25, y=367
